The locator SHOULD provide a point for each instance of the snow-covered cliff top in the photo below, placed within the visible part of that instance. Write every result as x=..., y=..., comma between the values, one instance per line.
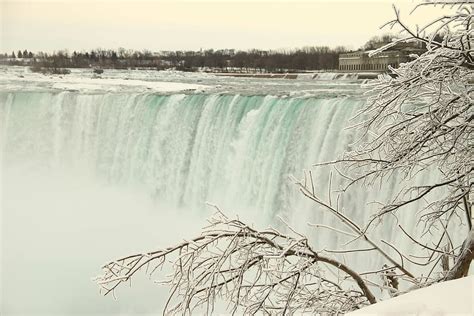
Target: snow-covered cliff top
x=447, y=298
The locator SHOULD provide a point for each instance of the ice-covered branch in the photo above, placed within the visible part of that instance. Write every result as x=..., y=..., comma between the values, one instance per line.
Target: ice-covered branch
x=253, y=270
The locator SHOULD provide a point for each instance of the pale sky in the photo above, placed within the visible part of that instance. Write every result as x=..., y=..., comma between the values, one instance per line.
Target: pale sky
x=193, y=24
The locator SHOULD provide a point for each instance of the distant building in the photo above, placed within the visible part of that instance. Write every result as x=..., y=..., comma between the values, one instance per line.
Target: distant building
x=360, y=60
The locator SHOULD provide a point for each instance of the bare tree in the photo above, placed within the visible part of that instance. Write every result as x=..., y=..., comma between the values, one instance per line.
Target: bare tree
x=417, y=120
x=252, y=270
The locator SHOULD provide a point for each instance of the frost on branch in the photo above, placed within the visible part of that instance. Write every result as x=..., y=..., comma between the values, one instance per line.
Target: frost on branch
x=251, y=270
x=419, y=120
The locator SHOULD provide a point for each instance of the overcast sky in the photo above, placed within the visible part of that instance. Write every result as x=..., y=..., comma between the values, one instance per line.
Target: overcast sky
x=193, y=24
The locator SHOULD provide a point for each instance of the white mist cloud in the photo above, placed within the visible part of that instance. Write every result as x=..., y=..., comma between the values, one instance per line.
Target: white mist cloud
x=60, y=227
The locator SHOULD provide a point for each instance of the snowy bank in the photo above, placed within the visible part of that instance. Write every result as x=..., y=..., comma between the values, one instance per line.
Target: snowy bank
x=448, y=298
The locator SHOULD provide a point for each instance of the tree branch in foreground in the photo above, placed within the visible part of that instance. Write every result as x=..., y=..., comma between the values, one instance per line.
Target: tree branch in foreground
x=252, y=270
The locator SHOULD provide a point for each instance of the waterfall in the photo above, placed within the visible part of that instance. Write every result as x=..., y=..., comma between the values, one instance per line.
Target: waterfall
x=130, y=171
x=236, y=151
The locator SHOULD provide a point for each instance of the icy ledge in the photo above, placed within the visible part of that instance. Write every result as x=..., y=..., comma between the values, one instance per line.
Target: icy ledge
x=448, y=298
x=84, y=84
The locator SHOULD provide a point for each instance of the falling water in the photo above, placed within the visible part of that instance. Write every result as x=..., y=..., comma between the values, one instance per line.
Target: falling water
x=89, y=177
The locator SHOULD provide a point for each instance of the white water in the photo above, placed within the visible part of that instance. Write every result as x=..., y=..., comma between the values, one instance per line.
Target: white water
x=89, y=177
x=335, y=76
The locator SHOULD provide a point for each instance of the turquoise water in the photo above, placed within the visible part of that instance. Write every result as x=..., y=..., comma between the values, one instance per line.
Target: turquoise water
x=89, y=177
x=236, y=151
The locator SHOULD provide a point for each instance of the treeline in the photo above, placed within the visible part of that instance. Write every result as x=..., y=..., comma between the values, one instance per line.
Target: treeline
x=19, y=54
x=224, y=60
x=308, y=58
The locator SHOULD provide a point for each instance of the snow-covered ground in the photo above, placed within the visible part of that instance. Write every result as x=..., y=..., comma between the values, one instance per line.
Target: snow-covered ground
x=447, y=298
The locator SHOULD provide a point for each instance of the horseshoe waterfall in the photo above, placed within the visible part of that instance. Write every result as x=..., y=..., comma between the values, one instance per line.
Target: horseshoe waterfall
x=114, y=172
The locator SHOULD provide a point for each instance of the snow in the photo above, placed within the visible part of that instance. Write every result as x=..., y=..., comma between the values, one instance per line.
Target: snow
x=448, y=298
x=79, y=80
